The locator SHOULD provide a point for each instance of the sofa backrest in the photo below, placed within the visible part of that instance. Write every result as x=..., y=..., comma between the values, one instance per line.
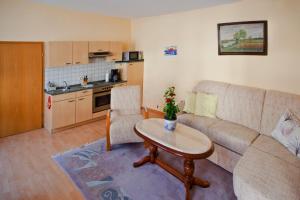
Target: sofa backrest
x=238, y=104
x=276, y=103
x=213, y=87
x=243, y=105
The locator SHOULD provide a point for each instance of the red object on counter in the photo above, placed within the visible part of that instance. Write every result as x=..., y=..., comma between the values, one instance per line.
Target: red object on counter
x=49, y=102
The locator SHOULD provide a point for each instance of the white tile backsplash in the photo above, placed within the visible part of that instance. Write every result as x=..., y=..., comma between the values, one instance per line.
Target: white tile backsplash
x=72, y=74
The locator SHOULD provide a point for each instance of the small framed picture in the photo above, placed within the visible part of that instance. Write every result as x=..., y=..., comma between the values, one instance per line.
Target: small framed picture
x=170, y=51
x=243, y=38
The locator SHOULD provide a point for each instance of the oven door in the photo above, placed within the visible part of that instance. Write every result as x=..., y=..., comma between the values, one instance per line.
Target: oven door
x=101, y=101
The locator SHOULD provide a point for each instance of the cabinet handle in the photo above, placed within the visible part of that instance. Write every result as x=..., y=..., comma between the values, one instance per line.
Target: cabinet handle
x=68, y=63
x=100, y=49
x=81, y=99
x=77, y=62
x=71, y=101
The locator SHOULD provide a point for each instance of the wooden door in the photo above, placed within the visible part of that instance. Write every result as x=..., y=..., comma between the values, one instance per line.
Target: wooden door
x=95, y=46
x=21, y=87
x=63, y=113
x=84, y=108
x=116, y=48
x=59, y=54
x=80, y=52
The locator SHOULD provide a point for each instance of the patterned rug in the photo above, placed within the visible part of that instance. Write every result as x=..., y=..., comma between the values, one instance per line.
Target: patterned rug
x=110, y=176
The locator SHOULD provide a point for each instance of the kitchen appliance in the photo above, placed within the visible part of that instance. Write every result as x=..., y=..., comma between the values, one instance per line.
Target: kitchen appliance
x=99, y=54
x=132, y=56
x=107, y=77
x=115, y=75
x=101, y=98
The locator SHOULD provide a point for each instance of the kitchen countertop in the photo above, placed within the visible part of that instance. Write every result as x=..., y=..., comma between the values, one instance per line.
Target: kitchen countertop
x=78, y=87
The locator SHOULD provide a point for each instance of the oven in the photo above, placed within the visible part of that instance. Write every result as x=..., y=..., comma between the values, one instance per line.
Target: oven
x=101, y=98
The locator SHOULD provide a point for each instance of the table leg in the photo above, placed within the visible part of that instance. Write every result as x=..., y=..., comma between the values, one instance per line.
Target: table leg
x=188, y=176
x=150, y=158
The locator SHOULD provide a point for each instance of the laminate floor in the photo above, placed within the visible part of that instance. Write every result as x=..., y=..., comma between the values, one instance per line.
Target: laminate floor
x=27, y=170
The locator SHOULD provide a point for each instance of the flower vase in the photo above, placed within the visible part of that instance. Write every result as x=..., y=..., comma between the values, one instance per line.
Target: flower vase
x=170, y=125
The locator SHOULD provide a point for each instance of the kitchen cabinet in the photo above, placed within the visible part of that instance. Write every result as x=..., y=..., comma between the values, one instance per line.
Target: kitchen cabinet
x=135, y=75
x=116, y=48
x=68, y=109
x=95, y=46
x=84, y=109
x=58, y=54
x=80, y=53
x=63, y=113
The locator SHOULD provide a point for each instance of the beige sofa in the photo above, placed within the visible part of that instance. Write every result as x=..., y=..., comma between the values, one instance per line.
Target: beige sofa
x=262, y=168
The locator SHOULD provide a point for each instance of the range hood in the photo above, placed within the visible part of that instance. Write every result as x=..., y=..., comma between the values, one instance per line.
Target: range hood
x=99, y=54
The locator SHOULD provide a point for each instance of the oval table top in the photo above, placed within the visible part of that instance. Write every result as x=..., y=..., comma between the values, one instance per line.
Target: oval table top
x=184, y=140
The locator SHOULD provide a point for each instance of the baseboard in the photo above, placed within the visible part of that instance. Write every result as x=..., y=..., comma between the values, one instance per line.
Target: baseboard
x=76, y=125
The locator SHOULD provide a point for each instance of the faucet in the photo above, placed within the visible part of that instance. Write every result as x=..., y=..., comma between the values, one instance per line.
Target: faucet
x=66, y=85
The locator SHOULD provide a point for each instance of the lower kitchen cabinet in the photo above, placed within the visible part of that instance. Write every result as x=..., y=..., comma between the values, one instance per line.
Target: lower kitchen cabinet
x=63, y=113
x=84, y=109
x=67, y=109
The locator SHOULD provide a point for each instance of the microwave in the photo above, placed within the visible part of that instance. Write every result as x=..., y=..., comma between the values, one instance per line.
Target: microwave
x=132, y=55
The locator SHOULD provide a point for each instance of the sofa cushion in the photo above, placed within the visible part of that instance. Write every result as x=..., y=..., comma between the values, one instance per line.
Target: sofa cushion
x=276, y=103
x=197, y=122
x=261, y=176
x=232, y=136
x=271, y=146
x=190, y=102
x=206, y=105
x=213, y=87
x=243, y=105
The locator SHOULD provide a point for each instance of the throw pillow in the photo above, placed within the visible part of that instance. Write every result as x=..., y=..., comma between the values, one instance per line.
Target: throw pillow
x=206, y=105
x=189, y=103
x=287, y=132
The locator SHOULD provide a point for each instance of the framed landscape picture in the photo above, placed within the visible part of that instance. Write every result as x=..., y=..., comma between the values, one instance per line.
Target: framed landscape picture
x=243, y=38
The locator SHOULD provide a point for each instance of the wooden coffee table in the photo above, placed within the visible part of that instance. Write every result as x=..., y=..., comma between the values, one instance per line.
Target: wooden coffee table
x=184, y=142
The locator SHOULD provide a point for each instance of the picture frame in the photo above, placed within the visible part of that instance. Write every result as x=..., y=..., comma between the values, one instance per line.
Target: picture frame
x=243, y=38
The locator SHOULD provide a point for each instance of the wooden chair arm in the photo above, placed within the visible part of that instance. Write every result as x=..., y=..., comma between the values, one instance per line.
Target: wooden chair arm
x=145, y=113
x=108, y=144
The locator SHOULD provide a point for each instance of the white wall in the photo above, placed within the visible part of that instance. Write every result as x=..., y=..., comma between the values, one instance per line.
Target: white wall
x=23, y=20
x=195, y=34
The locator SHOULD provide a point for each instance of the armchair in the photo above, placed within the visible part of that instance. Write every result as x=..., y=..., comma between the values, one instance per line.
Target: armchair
x=124, y=114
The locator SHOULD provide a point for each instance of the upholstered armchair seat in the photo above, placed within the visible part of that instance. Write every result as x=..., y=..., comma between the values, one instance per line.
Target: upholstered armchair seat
x=121, y=128
x=124, y=114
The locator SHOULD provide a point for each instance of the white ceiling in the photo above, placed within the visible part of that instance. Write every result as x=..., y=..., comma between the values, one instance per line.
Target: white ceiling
x=134, y=8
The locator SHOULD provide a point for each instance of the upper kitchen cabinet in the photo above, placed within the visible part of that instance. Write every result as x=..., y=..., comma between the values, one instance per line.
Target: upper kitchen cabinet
x=80, y=52
x=95, y=46
x=116, y=48
x=58, y=54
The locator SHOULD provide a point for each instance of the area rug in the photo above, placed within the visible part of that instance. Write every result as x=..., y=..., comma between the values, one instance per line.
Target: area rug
x=110, y=175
